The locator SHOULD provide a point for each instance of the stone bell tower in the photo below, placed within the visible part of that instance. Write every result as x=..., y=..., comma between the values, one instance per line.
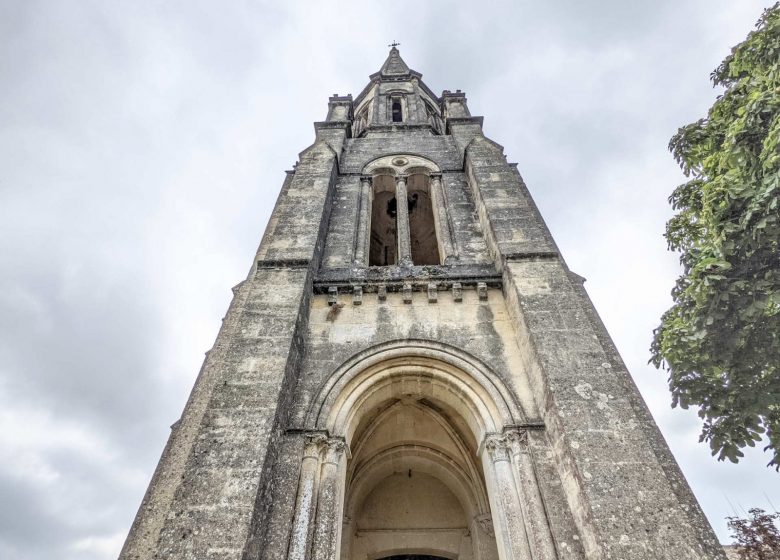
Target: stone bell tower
x=411, y=370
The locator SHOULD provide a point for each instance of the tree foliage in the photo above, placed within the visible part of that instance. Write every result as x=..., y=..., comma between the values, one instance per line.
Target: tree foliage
x=756, y=537
x=720, y=341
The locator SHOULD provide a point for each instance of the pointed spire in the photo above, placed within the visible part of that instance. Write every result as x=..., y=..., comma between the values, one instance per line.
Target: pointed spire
x=394, y=65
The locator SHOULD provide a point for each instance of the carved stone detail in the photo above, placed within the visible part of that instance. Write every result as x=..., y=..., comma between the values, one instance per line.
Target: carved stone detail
x=357, y=295
x=433, y=295
x=334, y=449
x=497, y=447
x=407, y=291
x=457, y=292
x=313, y=445
x=518, y=439
x=485, y=523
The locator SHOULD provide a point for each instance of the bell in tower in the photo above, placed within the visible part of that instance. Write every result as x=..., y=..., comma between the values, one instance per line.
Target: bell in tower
x=411, y=371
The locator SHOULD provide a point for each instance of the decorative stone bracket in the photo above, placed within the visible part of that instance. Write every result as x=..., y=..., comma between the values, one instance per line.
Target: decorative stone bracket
x=433, y=289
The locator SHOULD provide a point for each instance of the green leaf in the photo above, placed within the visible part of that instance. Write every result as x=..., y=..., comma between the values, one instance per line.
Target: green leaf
x=720, y=342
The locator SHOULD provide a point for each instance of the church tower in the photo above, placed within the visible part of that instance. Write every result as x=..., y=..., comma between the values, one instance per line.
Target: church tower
x=410, y=370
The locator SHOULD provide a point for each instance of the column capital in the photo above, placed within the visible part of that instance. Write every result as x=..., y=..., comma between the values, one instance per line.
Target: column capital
x=497, y=447
x=366, y=179
x=313, y=444
x=334, y=450
x=517, y=439
x=436, y=175
x=401, y=178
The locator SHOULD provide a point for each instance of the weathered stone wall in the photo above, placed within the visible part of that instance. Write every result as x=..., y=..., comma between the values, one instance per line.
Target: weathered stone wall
x=624, y=504
x=482, y=328
x=208, y=498
x=418, y=141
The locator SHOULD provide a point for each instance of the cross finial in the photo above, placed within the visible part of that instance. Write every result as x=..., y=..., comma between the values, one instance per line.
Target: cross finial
x=394, y=44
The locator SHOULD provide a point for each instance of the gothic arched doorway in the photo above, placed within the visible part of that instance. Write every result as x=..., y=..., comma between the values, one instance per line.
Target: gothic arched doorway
x=416, y=448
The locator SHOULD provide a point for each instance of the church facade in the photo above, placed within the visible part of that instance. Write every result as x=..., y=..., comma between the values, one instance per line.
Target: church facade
x=411, y=370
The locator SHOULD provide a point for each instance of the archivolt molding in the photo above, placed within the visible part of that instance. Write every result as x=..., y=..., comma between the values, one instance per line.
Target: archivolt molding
x=418, y=367
x=400, y=164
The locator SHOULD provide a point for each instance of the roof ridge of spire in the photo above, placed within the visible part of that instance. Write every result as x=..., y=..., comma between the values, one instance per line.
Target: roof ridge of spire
x=394, y=65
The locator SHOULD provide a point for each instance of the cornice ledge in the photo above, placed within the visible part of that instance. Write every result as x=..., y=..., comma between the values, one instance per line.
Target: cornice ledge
x=283, y=263
x=397, y=126
x=531, y=256
x=331, y=125
x=463, y=120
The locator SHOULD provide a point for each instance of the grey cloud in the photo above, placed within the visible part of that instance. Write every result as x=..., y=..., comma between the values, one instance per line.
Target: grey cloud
x=22, y=516
x=142, y=146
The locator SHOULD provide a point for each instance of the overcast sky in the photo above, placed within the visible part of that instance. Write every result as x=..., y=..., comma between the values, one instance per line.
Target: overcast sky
x=143, y=144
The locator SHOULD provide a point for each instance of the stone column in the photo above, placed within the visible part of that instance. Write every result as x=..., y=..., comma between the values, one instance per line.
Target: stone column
x=305, y=499
x=537, y=524
x=402, y=221
x=363, y=234
x=330, y=502
x=441, y=219
x=511, y=536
